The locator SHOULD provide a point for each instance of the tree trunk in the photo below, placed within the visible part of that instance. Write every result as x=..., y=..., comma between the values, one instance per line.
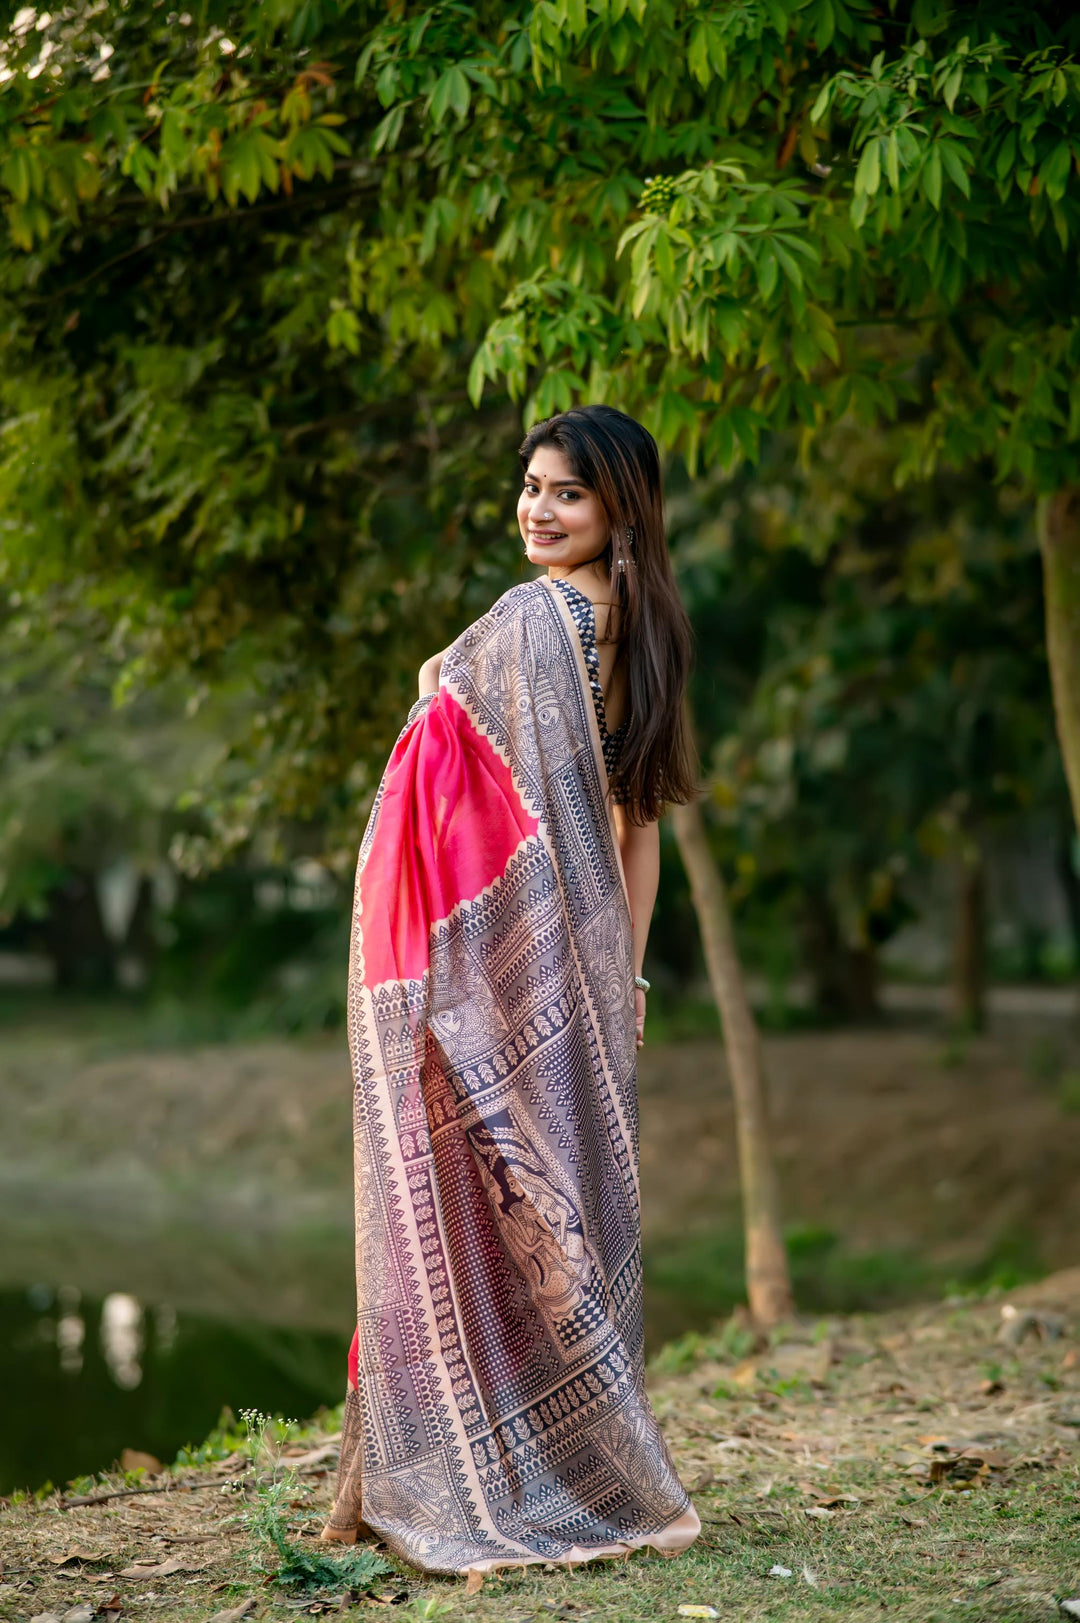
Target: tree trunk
x=1058, y=520
x=768, y=1282
x=844, y=978
x=823, y=951
x=1070, y=885
x=75, y=938
x=139, y=948
x=969, y=943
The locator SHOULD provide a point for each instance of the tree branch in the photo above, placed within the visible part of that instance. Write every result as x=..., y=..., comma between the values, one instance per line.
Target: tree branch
x=192, y=222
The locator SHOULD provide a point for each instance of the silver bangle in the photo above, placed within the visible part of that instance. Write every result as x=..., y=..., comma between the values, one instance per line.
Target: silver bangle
x=641, y=983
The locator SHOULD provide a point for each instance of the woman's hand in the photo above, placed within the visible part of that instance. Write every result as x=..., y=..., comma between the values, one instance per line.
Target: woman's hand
x=429, y=674
x=639, y=1013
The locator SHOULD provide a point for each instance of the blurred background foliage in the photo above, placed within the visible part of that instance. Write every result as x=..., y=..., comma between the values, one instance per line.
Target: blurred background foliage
x=278, y=285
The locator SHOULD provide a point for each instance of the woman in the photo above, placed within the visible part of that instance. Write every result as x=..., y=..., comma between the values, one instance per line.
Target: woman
x=496, y=1410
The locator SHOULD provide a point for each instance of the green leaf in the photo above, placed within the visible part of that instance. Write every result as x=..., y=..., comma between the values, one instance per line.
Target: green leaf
x=240, y=170
x=821, y=105
x=15, y=174
x=778, y=16
x=697, y=54
x=451, y=93
x=1061, y=223
x=951, y=88
x=788, y=263
x=868, y=174
x=174, y=145
x=363, y=62
x=677, y=413
x=768, y=272
x=1006, y=155
x=951, y=158
x=824, y=332
x=930, y=17
x=824, y=24
x=388, y=130
x=664, y=258
x=477, y=376
x=1055, y=171
x=26, y=222
x=642, y=291
x=892, y=161
x=931, y=177
x=343, y=331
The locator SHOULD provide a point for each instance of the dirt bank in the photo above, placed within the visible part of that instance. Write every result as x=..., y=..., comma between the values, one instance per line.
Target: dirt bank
x=888, y=1139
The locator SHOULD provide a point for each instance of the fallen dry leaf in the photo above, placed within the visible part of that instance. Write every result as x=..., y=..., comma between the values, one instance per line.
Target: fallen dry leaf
x=992, y=1458
x=158, y=1569
x=818, y=1511
x=698, y=1611
x=313, y=1455
x=829, y=1501
x=1071, y=1608
x=1071, y=1359
x=78, y=1614
x=233, y=1614
x=78, y=1554
x=962, y=1464
x=133, y=1459
x=474, y=1582
x=744, y=1374
x=1016, y=1323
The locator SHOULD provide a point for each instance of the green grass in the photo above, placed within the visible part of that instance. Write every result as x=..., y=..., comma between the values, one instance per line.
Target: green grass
x=754, y=1449
x=706, y=1268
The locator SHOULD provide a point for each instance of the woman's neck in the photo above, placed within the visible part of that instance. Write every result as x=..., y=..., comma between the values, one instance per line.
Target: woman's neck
x=593, y=569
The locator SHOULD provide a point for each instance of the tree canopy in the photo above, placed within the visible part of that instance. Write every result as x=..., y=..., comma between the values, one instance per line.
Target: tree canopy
x=255, y=254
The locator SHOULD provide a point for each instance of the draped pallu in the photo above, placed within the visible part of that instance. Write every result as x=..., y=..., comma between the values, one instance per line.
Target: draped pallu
x=496, y=1410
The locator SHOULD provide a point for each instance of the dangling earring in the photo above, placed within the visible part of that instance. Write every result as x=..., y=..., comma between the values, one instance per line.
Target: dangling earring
x=630, y=535
x=621, y=566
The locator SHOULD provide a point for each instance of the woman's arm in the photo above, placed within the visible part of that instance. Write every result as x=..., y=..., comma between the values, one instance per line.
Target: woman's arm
x=639, y=847
x=429, y=673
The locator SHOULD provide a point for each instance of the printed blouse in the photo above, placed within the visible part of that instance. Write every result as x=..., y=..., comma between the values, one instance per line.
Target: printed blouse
x=584, y=617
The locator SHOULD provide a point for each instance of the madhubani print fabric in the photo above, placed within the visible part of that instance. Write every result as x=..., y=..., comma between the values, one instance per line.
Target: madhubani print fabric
x=496, y=1411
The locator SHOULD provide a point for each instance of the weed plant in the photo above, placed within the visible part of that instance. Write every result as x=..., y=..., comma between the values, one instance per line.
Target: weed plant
x=277, y=1501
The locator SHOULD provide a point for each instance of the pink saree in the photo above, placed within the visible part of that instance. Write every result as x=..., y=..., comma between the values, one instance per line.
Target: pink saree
x=496, y=1411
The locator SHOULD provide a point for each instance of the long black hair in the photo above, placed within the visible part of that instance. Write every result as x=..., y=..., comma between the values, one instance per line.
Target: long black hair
x=617, y=458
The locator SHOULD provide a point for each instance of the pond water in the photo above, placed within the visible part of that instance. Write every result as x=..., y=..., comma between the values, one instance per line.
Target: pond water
x=138, y=1339
x=86, y=1377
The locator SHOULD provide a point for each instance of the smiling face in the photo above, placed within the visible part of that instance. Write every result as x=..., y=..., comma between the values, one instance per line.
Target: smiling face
x=562, y=523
